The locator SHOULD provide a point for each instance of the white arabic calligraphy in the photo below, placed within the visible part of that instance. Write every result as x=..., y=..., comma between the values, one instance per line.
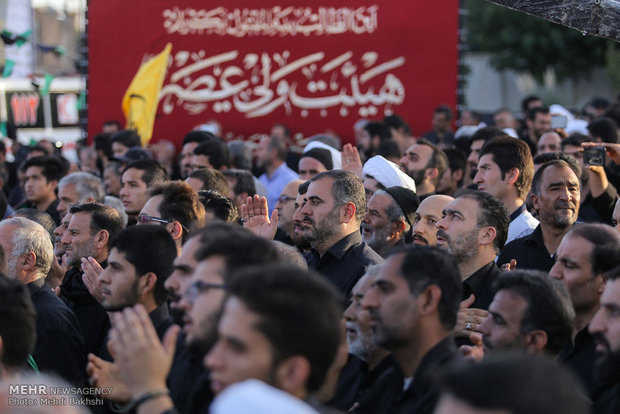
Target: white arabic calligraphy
x=249, y=89
x=287, y=21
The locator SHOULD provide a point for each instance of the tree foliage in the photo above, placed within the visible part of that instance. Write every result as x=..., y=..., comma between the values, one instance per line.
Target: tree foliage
x=531, y=44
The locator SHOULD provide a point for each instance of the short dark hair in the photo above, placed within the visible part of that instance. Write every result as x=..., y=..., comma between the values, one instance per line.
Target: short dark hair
x=423, y=266
x=152, y=171
x=211, y=180
x=216, y=150
x=509, y=153
x=303, y=188
x=113, y=122
x=388, y=148
x=128, y=138
x=438, y=159
x=244, y=181
x=149, y=248
x=531, y=114
x=492, y=213
x=575, y=140
x=525, y=103
x=222, y=207
x=446, y=110
x=537, y=181
x=549, y=307
x=396, y=122
x=51, y=167
x=299, y=312
x=550, y=156
x=457, y=160
x=606, y=240
x=181, y=203
x=17, y=323
x=486, y=134
x=198, y=137
x=103, y=142
x=604, y=128
x=238, y=247
x=378, y=128
x=346, y=188
x=102, y=217
x=517, y=383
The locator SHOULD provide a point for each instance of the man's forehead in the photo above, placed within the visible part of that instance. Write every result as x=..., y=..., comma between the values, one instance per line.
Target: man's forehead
x=434, y=205
x=79, y=219
x=132, y=173
x=464, y=205
x=321, y=188
x=487, y=159
x=611, y=294
x=558, y=172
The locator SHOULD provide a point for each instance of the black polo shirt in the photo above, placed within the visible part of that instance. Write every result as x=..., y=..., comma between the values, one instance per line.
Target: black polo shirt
x=420, y=397
x=480, y=284
x=529, y=251
x=345, y=262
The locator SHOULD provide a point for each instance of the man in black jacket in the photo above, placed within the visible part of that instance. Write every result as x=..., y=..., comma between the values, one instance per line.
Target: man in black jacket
x=59, y=346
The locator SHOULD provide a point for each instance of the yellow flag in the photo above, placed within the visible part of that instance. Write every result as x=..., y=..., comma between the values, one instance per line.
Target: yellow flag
x=142, y=97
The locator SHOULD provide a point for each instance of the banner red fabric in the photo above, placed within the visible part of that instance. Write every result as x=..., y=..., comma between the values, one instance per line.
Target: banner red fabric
x=313, y=66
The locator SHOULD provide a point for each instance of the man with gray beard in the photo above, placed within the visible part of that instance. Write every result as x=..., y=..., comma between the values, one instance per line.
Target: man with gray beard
x=474, y=229
x=367, y=361
x=388, y=219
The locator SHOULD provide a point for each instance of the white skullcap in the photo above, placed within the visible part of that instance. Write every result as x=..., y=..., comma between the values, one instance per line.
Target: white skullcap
x=387, y=173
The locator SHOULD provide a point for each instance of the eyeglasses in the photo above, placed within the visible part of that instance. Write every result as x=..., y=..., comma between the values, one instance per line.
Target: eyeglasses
x=198, y=287
x=144, y=219
x=284, y=198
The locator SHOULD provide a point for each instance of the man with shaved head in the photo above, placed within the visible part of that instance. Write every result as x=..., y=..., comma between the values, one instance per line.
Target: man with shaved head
x=429, y=212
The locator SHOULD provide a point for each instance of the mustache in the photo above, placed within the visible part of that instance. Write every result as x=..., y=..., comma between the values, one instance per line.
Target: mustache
x=173, y=296
x=419, y=238
x=600, y=338
x=308, y=219
x=443, y=235
x=564, y=204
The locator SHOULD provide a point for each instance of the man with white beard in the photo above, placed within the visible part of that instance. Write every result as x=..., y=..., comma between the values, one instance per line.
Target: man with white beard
x=367, y=361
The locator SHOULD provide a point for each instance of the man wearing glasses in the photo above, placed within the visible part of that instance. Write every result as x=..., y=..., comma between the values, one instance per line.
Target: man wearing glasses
x=286, y=209
x=176, y=206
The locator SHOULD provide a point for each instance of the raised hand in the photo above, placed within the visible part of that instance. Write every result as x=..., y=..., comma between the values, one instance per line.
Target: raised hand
x=255, y=217
x=351, y=160
x=469, y=319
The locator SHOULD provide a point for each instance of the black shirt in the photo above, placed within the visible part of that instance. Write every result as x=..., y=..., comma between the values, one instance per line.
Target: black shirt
x=355, y=380
x=580, y=358
x=599, y=209
x=51, y=210
x=59, y=347
x=529, y=251
x=93, y=319
x=421, y=396
x=345, y=262
x=188, y=380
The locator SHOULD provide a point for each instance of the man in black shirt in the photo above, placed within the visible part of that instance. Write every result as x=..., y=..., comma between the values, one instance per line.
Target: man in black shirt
x=473, y=229
x=586, y=255
x=606, y=331
x=334, y=207
x=413, y=303
x=556, y=194
x=59, y=345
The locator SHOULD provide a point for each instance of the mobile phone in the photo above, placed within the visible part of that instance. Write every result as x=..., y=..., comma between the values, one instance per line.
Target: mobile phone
x=594, y=156
x=559, y=121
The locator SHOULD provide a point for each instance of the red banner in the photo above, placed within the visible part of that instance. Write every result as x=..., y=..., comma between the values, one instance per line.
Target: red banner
x=313, y=66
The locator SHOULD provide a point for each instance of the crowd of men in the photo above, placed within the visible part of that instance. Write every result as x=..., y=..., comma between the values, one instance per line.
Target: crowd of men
x=467, y=272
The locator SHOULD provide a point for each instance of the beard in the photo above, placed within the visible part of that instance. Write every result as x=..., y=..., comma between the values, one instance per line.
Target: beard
x=206, y=337
x=462, y=246
x=378, y=239
x=317, y=234
x=607, y=367
x=363, y=346
x=75, y=255
x=298, y=238
x=417, y=175
x=127, y=299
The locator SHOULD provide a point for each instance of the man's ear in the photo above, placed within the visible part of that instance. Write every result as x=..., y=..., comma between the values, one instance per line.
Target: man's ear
x=487, y=235
x=457, y=175
x=176, y=230
x=28, y=261
x=534, y=199
x=431, y=173
x=347, y=212
x=292, y=375
x=101, y=239
x=397, y=228
x=149, y=280
x=535, y=341
x=428, y=300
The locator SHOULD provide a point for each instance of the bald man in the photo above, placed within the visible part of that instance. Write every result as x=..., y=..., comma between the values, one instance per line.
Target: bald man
x=428, y=213
x=286, y=209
